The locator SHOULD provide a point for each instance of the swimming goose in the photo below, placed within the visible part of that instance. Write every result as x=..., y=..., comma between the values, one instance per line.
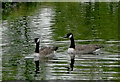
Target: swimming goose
x=85, y=49
x=43, y=52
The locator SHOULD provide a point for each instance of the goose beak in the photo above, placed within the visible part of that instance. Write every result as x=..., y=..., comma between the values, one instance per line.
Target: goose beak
x=65, y=36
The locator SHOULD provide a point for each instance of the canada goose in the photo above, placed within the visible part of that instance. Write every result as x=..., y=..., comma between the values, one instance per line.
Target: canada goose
x=43, y=52
x=85, y=49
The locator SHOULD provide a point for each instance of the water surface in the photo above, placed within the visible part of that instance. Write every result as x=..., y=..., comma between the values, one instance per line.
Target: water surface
x=91, y=23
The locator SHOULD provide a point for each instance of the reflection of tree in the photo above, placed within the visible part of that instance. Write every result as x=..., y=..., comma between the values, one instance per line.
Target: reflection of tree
x=88, y=14
x=18, y=41
x=26, y=30
x=19, y=33
x=92, y=20
x=8, y=8
x=27, y=73
x=111, y=7
x=67, y=18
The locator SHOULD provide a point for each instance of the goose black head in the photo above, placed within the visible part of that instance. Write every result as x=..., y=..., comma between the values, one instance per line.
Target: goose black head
x=69, y=35
x=37, y=40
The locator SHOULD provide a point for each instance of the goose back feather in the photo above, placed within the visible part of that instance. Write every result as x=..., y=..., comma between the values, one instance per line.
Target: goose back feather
x=86, y=49
x=47, y=51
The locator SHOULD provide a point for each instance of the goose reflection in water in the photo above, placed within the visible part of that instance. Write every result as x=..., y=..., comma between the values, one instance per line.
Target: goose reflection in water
x=80, y=49
x=41, y=54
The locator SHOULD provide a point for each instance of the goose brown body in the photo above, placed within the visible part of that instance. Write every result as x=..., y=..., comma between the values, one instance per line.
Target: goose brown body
x=86, y=49
x=46, y=51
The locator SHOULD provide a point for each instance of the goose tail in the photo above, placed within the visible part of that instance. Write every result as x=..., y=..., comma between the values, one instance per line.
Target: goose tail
x=55, y=48
x=98, y=47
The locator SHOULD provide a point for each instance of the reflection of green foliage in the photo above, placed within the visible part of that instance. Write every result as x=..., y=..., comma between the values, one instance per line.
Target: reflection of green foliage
x=87, y=20
x=19, y=9
x=7, y=8
x=16, y=46
x=28, y=71
x=98, y=20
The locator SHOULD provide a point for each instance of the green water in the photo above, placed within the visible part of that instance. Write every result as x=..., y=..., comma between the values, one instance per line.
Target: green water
x=91, y=23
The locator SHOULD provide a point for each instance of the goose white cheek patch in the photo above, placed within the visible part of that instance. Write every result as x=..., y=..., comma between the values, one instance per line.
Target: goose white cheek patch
x=38, y=40
x=70, y=36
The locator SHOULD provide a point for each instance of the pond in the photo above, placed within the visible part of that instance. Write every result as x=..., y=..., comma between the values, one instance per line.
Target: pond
x=90, y=23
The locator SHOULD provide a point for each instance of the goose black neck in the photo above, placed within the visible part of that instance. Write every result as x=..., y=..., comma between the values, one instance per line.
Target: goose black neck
x=37, y=48
x=72, y=45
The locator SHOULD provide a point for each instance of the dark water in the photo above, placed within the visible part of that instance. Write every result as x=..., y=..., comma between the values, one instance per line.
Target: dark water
x=91, y=23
